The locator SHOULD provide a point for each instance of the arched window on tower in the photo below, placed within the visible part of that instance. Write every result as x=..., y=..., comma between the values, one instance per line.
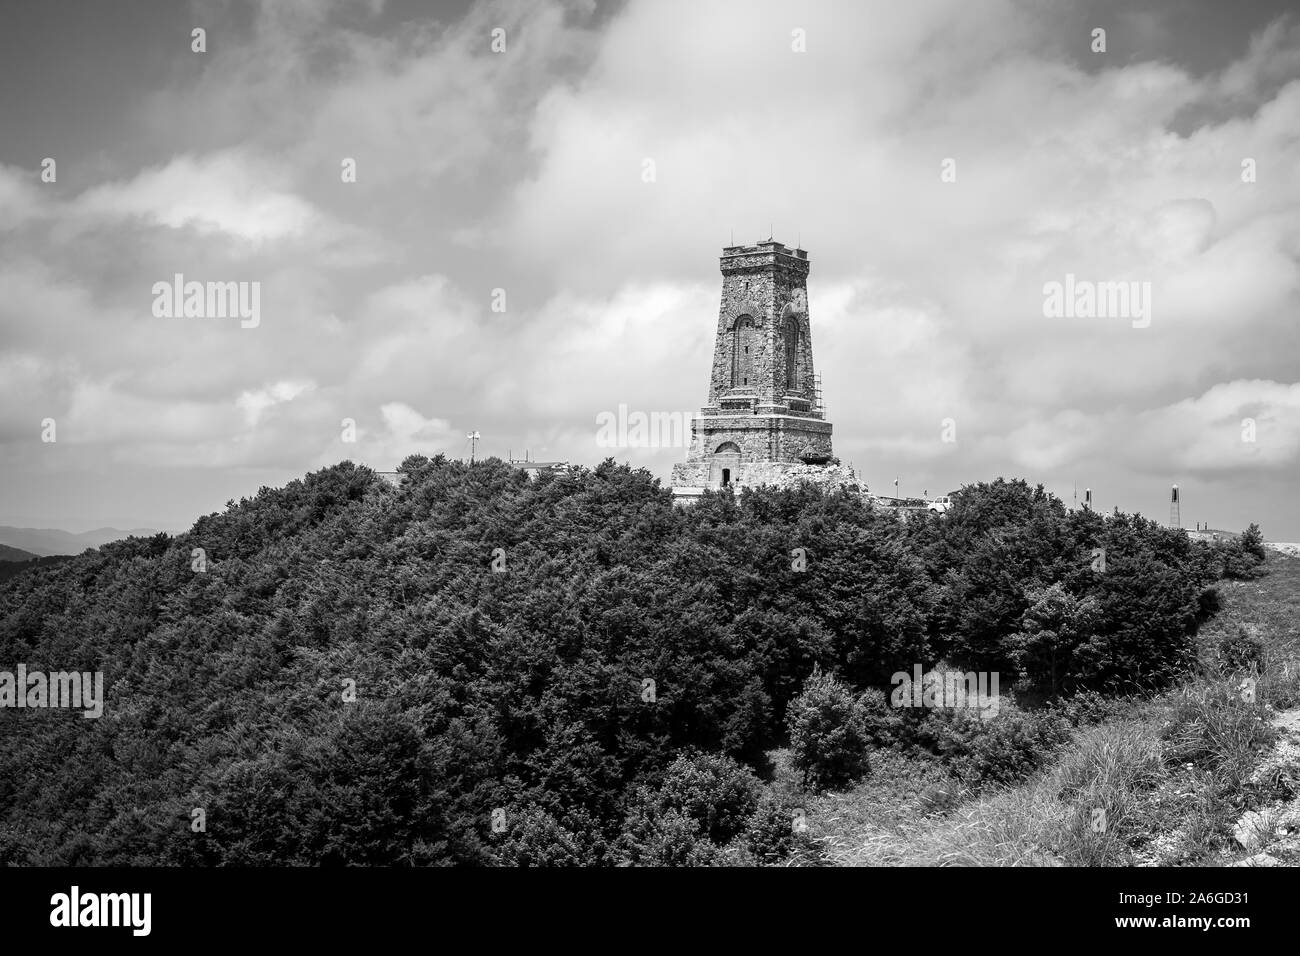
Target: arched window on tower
x=791, y=337
x=744, y=342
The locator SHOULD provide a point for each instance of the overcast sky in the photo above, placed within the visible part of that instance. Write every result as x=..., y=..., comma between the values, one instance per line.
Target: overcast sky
x=524, y=170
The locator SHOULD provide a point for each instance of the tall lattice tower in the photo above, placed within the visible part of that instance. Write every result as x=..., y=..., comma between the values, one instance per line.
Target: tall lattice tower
x=1175, y=517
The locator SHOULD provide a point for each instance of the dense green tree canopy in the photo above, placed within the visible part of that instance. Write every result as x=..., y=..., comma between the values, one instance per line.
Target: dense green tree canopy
x=545, y=648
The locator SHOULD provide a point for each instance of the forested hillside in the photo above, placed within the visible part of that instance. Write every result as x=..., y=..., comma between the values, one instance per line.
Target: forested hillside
x=502, y=635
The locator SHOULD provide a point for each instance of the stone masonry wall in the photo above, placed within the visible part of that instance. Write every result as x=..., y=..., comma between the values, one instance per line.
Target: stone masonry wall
x=779, y=474
x=784, y=474
x=767, y=420
x=761, y=437
x=768, y=283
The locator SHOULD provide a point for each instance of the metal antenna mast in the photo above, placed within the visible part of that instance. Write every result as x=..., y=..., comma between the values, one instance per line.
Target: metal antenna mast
x=473, y=444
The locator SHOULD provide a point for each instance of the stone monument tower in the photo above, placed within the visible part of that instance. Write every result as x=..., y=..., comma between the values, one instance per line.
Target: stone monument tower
x=763, y=421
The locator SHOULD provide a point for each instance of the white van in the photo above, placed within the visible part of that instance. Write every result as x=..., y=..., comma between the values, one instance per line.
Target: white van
x=940, y=505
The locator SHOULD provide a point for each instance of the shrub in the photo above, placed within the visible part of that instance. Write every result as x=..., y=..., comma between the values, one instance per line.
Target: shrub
x=1252, y=542
x=702, y=803
x=652, y=837
x=1005, y=749
x=1239, y=650
x=1086, y=708
x=829, y=733
x=885, y=724
x=1243, y=559
x=770, y=834
x=536, y=838
x=713, y=790
x=1053, y=627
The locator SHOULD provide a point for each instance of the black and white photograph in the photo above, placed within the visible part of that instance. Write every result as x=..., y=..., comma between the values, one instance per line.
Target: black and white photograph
x=597, y=436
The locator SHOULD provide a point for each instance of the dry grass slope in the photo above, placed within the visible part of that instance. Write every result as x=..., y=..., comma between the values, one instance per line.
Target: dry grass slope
x=1201, y=775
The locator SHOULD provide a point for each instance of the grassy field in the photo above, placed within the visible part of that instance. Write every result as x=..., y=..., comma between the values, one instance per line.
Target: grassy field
x=1269, y=607
x=1202, y=775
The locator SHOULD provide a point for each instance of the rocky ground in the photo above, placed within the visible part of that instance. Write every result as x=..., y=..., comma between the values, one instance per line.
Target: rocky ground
x=1270, y=835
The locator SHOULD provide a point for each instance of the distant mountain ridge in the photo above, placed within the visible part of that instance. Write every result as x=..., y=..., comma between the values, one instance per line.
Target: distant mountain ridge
x=42, y=542
x=14, y=554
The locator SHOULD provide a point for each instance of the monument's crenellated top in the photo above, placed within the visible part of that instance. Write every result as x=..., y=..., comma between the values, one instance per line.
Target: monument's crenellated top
x=760, y=254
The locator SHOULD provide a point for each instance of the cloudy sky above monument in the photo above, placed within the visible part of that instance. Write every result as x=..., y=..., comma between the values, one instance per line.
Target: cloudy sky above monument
x=525, y=171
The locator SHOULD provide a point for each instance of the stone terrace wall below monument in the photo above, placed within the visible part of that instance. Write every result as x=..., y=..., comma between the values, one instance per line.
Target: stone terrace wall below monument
x=784, y=474
x=691, y=474
x=778, y=474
